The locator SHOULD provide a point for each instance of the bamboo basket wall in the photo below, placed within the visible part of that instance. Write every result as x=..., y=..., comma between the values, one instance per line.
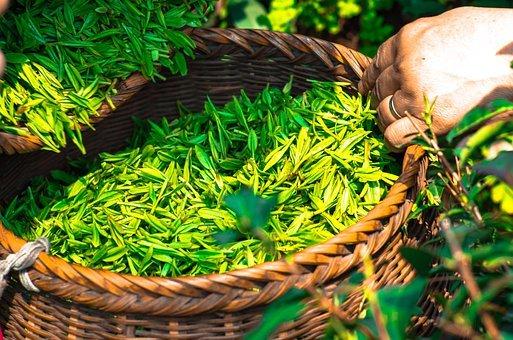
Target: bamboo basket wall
x=80, y=303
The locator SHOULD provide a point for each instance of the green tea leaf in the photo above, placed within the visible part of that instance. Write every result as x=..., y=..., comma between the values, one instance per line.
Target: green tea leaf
x=251, y=211
x=420, y=259
x=478, y=116
x=285, y=308
x=501, y=167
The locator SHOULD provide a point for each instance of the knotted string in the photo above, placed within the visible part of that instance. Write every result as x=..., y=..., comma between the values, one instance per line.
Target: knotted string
x=22, y=260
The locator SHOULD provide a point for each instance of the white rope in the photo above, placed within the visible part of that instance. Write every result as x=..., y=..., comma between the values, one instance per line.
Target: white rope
x=21, y=261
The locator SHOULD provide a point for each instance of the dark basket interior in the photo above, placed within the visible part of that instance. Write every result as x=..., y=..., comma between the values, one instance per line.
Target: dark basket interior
x=218, y=78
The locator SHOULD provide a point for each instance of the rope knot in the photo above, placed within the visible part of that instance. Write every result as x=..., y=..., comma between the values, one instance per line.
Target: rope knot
x=21, y=261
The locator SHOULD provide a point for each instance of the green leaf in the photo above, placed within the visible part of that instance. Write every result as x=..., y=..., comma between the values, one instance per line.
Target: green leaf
x=420, y=259
x=286, y=308
x=356, y=278
x=478, y=116
x=398, y=304
x=251, y=211
x=507, y=335
x=203, y=157
x=101, y=10
x=17, y=58
x=481, y=138
x=501, y=167
x=180, y=61
x=252, y=142
x=245, y=13
x=227, y=236
x=276, y=155
x=503, y=195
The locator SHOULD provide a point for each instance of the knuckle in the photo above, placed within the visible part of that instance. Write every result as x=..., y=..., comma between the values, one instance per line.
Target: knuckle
x=402, y=68
x=393, y=138
x=378, y=59
x=414, y=29
x=379, y=56
x=410, y=71
x=459, y=10
x=407, y=32
x=385, y=52
x=363, y=85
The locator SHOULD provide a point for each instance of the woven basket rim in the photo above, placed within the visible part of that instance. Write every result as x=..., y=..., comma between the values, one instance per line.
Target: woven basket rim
x=244, y=287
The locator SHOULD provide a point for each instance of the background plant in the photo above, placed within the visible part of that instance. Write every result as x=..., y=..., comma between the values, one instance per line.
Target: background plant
x=361, y=24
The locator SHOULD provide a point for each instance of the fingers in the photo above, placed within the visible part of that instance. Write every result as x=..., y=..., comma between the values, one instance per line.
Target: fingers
x=412, y=102
x=393, y=107
x=3, y=5
x=401, y=132
x=384, y=58
x=386, y=115
x=387, y=84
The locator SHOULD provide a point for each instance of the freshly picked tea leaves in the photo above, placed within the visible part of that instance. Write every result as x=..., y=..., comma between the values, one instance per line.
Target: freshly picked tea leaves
x=167, y=204
x=65, y=57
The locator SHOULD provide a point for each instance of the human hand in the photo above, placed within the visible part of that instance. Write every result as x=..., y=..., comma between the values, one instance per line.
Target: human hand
x=459, y=59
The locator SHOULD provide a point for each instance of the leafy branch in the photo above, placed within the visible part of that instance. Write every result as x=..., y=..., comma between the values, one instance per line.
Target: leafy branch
x=460, y=193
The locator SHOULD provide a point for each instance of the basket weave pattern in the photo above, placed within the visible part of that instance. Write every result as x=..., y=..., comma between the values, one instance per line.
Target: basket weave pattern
x=78, y=302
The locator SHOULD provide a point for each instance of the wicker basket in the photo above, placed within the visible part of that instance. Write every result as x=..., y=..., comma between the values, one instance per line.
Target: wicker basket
x=77, y=302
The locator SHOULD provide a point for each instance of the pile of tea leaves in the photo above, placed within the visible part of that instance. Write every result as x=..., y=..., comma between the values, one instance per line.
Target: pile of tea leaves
x=65, y=57
x=158, y=207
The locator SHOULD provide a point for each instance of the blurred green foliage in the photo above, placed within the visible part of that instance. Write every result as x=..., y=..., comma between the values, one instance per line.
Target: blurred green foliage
x=372, y=20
